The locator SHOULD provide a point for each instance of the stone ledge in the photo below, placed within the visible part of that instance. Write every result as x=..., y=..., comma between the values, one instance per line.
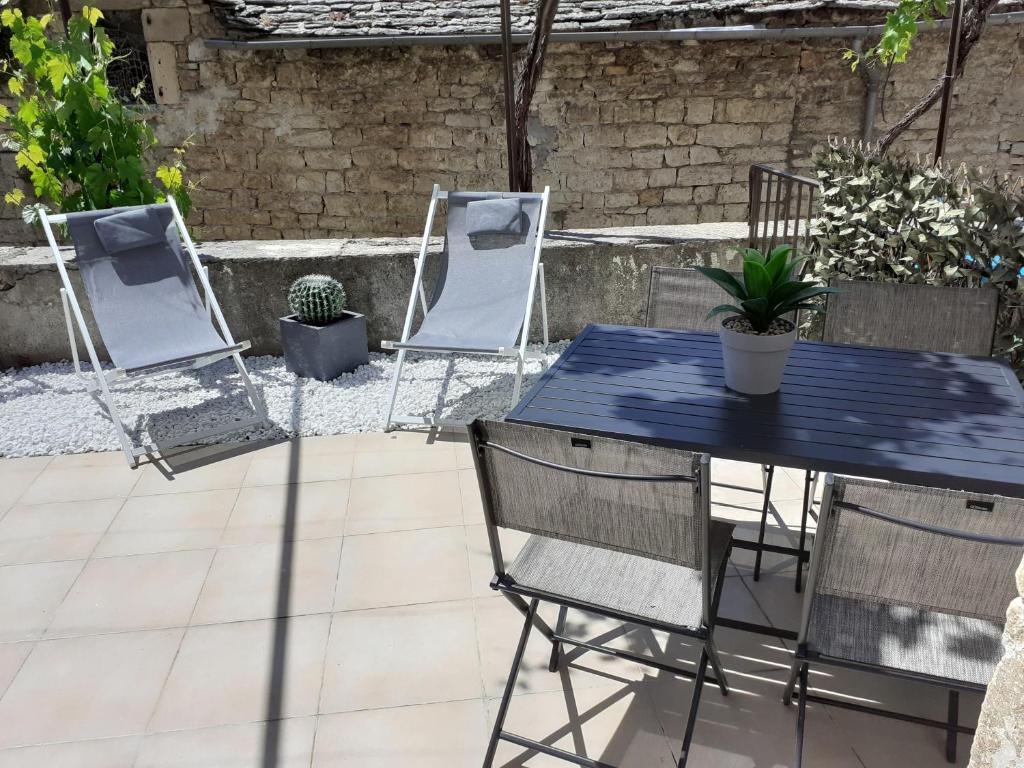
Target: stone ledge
x=593, y=275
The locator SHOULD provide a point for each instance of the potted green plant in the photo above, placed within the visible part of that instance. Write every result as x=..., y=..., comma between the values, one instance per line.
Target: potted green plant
x=759, y=332
x=321, y=339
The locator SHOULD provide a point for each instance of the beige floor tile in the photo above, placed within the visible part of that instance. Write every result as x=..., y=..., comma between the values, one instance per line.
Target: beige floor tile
x=277, y=744
x=748, y=476
x=87, y=687
x=499, y=626
x=613, y=724
x=481, y=565
x=31, y=594
x=167, y=523
x=12, y=656
x=92, y=459
x=25, y=463
x=403, y=440
x=380, y=463
x=464, y=455
x=278, y=470
x=776, y=597
x=881, y=742
x=117, y=594
x=56, y=484
x=472, y=504
x=271, y=513
x=403, y=567
x=405, y=502
x=244, y=582
x=207, y=474
x=309, y=446
x=747, y=728
x=391, y=657
x=99, y=753
x=41, y=533
x=16, y=475
x=228, y=674
x=448, y=735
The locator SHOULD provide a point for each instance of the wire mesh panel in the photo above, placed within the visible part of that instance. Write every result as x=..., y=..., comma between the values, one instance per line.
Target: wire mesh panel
x=681, y=298
x=782, y=208
x=927, y=318
x=661, y=520
x=875, y=560
x=130, y=70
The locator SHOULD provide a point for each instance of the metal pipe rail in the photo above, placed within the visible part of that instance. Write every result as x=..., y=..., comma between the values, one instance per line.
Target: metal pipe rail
x=734, y=32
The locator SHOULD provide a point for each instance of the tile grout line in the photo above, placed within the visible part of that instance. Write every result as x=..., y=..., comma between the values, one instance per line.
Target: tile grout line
x=181, y=640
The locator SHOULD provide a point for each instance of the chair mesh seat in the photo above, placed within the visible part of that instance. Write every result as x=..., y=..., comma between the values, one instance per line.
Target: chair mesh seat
x=905, y=639
x=630, y=584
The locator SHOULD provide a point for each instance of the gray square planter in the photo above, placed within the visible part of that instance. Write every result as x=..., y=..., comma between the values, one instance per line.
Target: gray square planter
x=324, y=352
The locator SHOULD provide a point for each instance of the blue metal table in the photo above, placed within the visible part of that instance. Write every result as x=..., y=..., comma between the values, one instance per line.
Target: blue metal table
x=941, y=420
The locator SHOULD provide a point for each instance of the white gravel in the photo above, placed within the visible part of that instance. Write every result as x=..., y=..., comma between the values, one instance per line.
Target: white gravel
x=45, y=409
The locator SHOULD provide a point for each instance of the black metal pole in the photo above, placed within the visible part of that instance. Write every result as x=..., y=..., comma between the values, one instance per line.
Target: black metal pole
x=506, y=60
x=947, y=84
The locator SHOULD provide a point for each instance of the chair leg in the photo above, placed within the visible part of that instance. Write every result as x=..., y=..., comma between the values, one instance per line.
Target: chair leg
x=794, y=673
x=520, y=360
x=801, y=716
x=556, y=647
x=716, y=666
x=394, y=390
x=259, y=405
x=510, y=685
x=952, y=725
x=769, y=475
x=543, y=305
x=691, y=720
x=798, y=585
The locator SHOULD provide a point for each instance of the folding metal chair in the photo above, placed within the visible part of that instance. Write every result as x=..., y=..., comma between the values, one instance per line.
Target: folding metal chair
x=680, y=298
x=618, y=528
x=147, y=308
x=909, y=582
x=483, y=298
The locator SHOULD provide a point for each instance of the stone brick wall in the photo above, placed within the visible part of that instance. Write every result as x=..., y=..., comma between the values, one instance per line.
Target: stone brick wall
x=336, y=143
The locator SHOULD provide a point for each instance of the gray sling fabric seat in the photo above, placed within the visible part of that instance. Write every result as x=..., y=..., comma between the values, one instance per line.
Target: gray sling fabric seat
x=618, y=528
x=925, y=318
x=138, y=265
x=680, y=299
x=479, y=299
x=912, y=582
x=652, y=589
x=141, y=291
x=906, y=639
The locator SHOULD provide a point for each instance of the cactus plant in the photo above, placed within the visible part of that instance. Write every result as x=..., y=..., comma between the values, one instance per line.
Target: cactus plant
x=317, y=299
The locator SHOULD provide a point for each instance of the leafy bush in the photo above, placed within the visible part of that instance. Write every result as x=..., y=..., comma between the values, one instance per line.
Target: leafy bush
x=80, y=146
x=900, y=220
x=317, y=299
x=768, y=290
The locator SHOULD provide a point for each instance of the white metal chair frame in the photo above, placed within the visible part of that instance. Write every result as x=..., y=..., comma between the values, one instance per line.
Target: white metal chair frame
x=519, y=352
x=98, y=382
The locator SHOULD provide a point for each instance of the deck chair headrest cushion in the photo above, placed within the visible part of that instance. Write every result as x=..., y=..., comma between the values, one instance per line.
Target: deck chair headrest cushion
x=132, y=229
x=500, y=216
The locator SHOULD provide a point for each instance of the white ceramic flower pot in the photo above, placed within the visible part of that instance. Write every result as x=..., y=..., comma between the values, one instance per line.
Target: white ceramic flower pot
x=754, y=364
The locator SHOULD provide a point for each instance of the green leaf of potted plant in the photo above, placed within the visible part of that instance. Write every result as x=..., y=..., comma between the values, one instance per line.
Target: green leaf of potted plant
x=322, y=339
x=760, y=330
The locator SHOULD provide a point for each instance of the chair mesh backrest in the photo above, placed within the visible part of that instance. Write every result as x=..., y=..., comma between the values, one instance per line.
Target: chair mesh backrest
x=659, y=520
x=681, y=298
x=490, y=271
x=782, y=208
x=870, y=559
x=925, y=318
x=145, y=301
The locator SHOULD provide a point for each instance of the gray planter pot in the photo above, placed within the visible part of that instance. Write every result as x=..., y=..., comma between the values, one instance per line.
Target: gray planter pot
x=324, y=352
x=754, y=364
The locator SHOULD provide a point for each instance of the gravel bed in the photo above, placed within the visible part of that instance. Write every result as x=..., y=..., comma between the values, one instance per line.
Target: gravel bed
x=45, y=410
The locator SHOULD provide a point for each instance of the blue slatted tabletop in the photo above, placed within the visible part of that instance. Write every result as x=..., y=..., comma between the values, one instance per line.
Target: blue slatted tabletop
x=940, y=420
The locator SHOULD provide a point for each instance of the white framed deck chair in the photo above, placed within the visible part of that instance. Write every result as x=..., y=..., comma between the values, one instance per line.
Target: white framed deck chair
x=148, y=310
x=488, y=274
